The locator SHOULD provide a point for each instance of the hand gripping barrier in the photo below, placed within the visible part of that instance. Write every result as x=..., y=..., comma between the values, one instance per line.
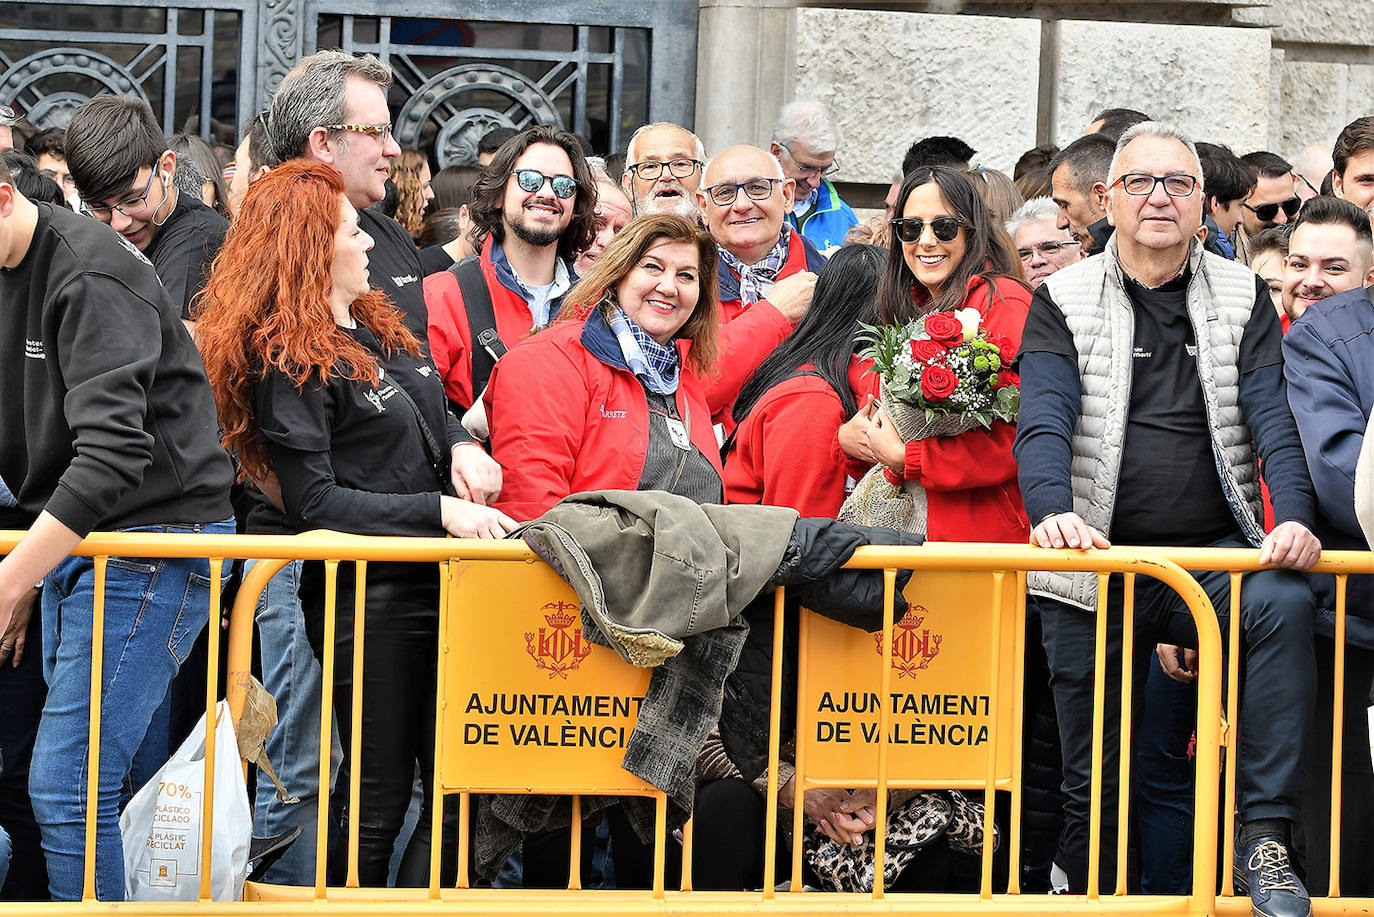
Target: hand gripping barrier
x=495, y=594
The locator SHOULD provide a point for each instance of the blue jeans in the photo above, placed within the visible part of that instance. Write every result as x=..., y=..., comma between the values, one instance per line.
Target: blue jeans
x=291, y=674
x=154, y=610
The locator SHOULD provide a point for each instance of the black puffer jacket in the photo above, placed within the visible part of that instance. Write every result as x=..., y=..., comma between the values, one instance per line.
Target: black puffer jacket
x=811, y=572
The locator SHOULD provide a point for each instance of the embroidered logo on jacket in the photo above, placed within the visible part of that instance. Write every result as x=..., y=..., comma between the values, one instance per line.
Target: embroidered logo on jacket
x=404, y=279
x=34, y=350
x=375, y=400
x=615, y=415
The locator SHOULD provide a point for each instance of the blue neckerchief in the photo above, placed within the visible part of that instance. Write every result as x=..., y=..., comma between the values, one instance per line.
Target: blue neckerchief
x=656, y=366
x=541, y=313
x=756, y=280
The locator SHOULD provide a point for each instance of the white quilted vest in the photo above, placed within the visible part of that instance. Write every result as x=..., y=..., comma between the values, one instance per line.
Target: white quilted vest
x=1091, y=294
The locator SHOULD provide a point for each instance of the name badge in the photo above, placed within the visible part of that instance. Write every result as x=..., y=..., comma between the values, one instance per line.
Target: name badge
x=677, y=432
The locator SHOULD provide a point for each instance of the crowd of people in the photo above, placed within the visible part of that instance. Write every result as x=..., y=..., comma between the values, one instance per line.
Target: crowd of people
x=317, y=331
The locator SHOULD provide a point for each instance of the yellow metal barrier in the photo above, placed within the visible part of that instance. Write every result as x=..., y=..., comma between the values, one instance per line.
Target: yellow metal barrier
x=970, y=596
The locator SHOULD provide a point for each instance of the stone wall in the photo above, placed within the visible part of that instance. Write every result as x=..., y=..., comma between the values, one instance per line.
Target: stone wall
x=1254, y=74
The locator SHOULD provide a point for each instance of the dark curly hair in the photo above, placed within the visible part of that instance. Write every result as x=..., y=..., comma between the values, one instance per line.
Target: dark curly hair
x=489, y=191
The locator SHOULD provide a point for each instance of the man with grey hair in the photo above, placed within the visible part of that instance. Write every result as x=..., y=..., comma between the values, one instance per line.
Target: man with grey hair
x=806, y=137
x=1078, y=179
x=663, y=164
x=332, y=108
x=1155, y=369
x=1040, y=244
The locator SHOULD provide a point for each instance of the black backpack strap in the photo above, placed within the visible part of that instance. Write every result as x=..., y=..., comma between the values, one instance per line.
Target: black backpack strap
x=486, y=345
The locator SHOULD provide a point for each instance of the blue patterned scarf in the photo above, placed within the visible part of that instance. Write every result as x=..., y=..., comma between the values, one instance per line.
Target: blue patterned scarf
x=756, y=280
x=656, y=366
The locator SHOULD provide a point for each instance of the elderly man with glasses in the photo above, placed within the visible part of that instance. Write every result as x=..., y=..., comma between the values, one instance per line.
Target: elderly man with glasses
x=663, y=165
x=1151, y=389
x=1040, y=244
x=806, y=137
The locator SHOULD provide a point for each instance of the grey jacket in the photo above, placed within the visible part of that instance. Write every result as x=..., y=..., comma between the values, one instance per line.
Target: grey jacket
x=1093, y=298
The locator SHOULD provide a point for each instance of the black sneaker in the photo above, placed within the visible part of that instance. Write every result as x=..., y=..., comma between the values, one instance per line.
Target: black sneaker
x=1263, y=869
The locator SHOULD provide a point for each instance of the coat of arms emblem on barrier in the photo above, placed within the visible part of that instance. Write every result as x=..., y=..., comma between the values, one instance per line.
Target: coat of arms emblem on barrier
x=913, y=646
x=559, y=647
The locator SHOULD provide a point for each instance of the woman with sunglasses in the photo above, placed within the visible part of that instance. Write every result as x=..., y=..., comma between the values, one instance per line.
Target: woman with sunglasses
x=326, y=397
x=944, y=255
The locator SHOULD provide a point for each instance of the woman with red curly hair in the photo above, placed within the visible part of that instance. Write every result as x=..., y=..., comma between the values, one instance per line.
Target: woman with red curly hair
x=324, y=393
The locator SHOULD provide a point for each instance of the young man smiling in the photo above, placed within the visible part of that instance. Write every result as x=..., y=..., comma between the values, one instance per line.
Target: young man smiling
x=123, y=172
x=1329, y=252
x=532, y=208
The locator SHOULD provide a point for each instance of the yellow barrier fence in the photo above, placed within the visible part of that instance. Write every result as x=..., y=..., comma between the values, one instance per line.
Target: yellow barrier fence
x=868, y=707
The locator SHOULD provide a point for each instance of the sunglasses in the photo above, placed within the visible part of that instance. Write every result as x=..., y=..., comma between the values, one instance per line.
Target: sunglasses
x=909, y=229
x=1267, y=212
x=532, y=180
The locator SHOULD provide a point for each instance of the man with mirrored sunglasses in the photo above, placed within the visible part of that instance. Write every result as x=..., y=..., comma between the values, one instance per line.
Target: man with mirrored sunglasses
x=1151, y=389
x=663, y=164
x=532, y=212
x=806, y=136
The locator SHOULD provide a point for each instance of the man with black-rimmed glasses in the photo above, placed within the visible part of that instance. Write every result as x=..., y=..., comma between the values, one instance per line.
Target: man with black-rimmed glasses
x=663, y=164
x=806, y=137
x=123, y=171
x=1151, y=387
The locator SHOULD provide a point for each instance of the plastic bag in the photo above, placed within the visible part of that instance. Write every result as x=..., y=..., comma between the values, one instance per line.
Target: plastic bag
x=161, y=826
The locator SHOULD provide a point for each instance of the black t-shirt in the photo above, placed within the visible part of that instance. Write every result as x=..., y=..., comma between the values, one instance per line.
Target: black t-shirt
x=1168, y=488
x=107, y=419
x=434, y=259
x=394, y=268
x=352, y=457
x=185, y=247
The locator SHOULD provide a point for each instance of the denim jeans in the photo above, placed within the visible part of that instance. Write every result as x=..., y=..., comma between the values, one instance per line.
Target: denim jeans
x=154, y=610
x=291, y=674
x=1277, y=695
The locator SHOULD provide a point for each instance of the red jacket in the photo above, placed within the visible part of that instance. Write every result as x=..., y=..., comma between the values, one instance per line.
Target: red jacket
x=762, y=318
x=970, y=479
x=450, y=338
x=563, y=420
x=786, y=453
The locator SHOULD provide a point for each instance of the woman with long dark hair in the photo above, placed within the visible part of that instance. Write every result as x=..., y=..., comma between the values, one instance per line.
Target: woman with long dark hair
x=944, y=256
x=783, y=451
x=325, y=395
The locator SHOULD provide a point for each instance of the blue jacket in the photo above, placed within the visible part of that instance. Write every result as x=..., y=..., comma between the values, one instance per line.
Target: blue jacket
x=1328, y=358
x=825, y=226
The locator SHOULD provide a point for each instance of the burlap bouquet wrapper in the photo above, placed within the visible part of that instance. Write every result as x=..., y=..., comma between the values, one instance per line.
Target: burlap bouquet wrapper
x=876, y=500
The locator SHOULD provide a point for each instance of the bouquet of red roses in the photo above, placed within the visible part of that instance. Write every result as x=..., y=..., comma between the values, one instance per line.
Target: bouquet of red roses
x=949, y=368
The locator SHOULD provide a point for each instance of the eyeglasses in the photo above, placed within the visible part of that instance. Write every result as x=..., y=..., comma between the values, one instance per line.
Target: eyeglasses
x=1303, y=178
x=1266, y=212
x=7, y=113
x=102, y=211
x=650, y=170
x=909, y=229
x=814, y=171
x=1142, y=184
x=532, y=180
x=756, y=189
x=380, y=131
x=1047, y=249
